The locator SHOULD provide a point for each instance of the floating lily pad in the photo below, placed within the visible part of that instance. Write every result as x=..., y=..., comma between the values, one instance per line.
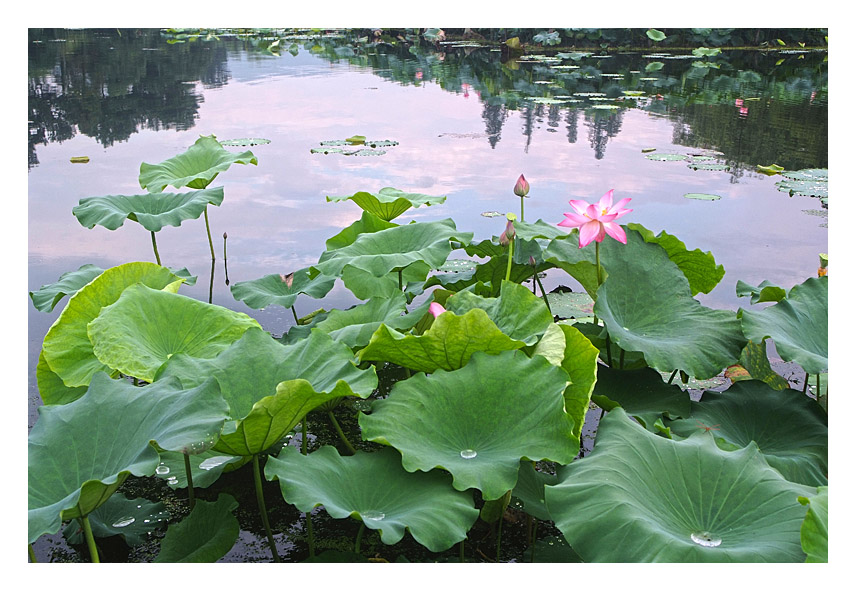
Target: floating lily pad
x=245, y=142
x=665, y=156
x=374, y=488
x=708, y=167
x=79, y=159
x=773, y=169
x=477, y=422
x=702, y=196
x=639, y=497
x=571, y=305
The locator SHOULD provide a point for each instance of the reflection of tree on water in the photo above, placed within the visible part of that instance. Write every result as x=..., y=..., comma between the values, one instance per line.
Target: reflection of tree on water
x=601, y=129
x=494, y=115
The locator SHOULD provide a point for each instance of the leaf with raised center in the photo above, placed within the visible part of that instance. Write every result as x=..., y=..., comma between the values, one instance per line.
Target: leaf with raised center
x=80, y=453
x=67, y=350
x=797, y=324
x=145, y=327
x=639, y=497
x=478, y=422
x=374, y=488
x=389, y=203
x=194, y=168
x=789, y=428
x=151, y=211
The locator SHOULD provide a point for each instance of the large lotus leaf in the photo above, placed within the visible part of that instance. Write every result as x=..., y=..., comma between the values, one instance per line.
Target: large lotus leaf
x=788, y=427
x=536, y=230
x=48, y=296
x=67, y=349
x=702, y=272
x=754, y=364
x=194, y=168
x=80, y=453
x=365, y=286
x=639, y=497
x=152, y=211
x=145, y=327
x=269, y=386
x=642, y=393
x=367, y=223
x=381, y=252
x=204, y=536
x=373, y=487
x=205, y=467
x=478, y=422
x=518, y=313
x=355, y=326
x=764, y=292
x=530, y=489
x=813, y=533
x=797, y=324
x=646, y=306
x=389, y=203
x=493, y=271
x=52, y=390
x=281, y=289
x=132, y=519
x=447, y=345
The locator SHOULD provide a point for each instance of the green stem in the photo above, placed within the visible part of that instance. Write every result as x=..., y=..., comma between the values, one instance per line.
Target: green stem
x=359, y=538
x=90, y=540
x=260, y=500
x=31, y=553
x=805, y=382
x=509, y=264
x=190, y=493
x=609, y=357
x=670, y=381
x=544, y=295
x=401, y=285
x=155, y=247
x=533, y=542
x=295, y=314
x=310, y=537
x=621, y=359
x=499, y=533
x=225, y=268
x=208, y=231
x=461, y=551
x=339, y=431
x=597, y=276
x=522, y=208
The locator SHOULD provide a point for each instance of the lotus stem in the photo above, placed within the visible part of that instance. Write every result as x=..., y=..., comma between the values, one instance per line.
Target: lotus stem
x=310, y=537
x=31, y=553
x=533, y=542
x=670, y=381
x=499, y=533
x=359, y=537
x=155, y=247
x=225, y=268
x=208, y=232
x=544, y=295
x=211, y=283
x=522, y=208
x=621, y=359
x=295, y=314
x=597, y=276
x=90, y=540
x=191, y=497
x=260, y=500
x=339, y=431
x=511, y=253
x=609, y=357
x=401, y=285
x=461, y=551
x=805, y=382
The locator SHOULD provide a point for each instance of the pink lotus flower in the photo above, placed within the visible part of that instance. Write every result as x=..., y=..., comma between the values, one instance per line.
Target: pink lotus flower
x=597, y=220
x=436, y=309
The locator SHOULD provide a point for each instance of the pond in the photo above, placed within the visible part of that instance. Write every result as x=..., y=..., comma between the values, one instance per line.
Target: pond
x=682, y=135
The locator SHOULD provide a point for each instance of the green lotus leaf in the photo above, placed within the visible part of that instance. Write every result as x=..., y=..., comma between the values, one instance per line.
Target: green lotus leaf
x=373, y=487
x=639, y=497
x=530, y=489
x=389, y=203
x=194, y=168
x=655, y=35
x=364, y=285
x=205, y=467
x=80, y=453
x=132, y=519
x=642, y=393
x=813, y=532
x=52, y=390
x=552, y=549
x=477, y=422
x=448, y=344
x=789, y=428
x=152, y=210
x=67, y=350
x=568, y=305
x=702, y=272
x=797, y=324
x=48, y=296
x=646, y=306
x=270, y=387
x=145, y=327
x=367, y=224
x=529, y=231
x=517, y=312
x=281, y=289
x=204, y=536
x=355, y=326
x=379, y=253
x=764, y=292
x=754, y=360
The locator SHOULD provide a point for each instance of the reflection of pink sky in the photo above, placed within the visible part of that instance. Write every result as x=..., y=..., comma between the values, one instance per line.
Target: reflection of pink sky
x=279, y=206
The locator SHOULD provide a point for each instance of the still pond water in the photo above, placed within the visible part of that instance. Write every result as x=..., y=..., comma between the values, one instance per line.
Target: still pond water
x=463, y=121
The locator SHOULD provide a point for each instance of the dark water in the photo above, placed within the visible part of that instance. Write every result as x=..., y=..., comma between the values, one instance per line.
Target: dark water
x=468, y=120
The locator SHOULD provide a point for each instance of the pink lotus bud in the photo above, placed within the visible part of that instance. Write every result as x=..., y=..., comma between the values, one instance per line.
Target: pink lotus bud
x=522, y=187
x=507, y=234
x=436, y=309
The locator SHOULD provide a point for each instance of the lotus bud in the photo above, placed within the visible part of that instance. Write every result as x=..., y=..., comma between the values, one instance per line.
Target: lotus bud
x=522, y=188
x=224, y=236
x=508, y=234
x=532, y=261
x=436, y=309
